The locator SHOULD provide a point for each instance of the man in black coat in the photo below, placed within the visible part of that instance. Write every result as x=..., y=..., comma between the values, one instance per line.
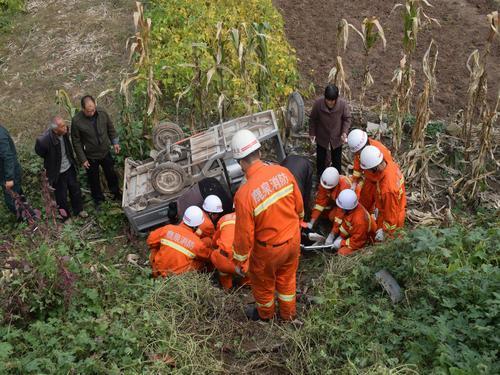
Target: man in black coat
x=55, y=148
x=302, y=170
x=10, y=169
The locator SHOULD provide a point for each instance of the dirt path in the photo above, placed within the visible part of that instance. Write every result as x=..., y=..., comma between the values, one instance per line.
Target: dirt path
x=311, y=27
x=75, y=45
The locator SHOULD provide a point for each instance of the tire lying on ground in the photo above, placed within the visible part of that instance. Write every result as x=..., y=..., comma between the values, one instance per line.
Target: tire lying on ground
x=168, y=178
x=165, y=131
x=295, y=112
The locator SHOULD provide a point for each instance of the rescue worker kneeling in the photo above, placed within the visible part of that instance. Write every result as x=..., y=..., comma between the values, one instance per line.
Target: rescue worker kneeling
x=222, y=255
x=390, y=193
x=176, y=249
x=358, y=226
x=269, y=208
x=212, y=210
x=331, y=184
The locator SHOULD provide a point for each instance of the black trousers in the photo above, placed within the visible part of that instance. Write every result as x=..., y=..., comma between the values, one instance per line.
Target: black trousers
x=67, y=181
x=107, y=164
x=321, y=156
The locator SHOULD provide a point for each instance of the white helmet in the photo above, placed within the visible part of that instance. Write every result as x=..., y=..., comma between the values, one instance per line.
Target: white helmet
x=244, y=142
x=193, y=216
x=371, y=156
x=356, y=140
x=329, y=178
x=212, y=204
x=347, y=199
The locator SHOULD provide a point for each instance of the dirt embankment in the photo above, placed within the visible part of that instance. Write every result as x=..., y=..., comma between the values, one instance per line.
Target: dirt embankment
x=74, y=45
x=311, y=27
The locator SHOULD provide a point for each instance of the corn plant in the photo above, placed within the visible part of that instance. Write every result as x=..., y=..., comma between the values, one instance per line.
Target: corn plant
x=371, y=32
x=414, y=19
x=338, y=77
x=259, y=42
x=416, y=161
x=140, y=57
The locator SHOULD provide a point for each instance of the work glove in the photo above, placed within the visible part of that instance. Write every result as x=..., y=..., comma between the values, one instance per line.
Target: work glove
x=336, y=243
x=310, y=224
x=375, y=213
x=379, y=235
x=329, y=239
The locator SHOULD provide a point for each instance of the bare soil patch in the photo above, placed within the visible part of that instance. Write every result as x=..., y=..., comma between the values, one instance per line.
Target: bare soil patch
x=75, y=45
x=311, y=27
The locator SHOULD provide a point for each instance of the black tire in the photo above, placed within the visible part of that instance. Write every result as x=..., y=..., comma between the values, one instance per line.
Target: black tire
x=168, y=178
x=165, y=131
x=295, y=112
x=390, y=285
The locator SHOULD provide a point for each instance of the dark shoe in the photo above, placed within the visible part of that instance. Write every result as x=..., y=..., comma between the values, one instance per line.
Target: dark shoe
x=252, y=313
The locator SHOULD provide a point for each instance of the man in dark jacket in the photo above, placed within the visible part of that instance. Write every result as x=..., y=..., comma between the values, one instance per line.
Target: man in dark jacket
x=302, y=170
x=93, y=133
x=55, y=148
x=10, y=169
x=329, y=124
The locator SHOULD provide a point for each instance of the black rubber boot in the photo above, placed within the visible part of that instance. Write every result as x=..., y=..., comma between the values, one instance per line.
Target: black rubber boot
x=252, y=313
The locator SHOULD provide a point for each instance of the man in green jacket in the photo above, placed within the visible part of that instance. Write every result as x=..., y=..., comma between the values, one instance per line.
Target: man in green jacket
x=10, y=169
x=93, y=133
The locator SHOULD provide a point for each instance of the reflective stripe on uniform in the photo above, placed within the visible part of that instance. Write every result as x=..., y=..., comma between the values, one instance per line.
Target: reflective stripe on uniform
x=338, y=220
x=318, y=207
x=301, y=215
x=389, y=226
x=347, y=242
x=356, y=174
x=199, y=232
x=238, y=257
x=227, y=223
x=273, y=199
x=223, y=274
x=177, y=247
x=343, y=231
x=268, y=304
x=286, y=297
x=349, y=225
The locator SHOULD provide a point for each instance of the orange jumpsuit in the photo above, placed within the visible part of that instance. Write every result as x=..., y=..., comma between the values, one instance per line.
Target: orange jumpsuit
x=358, y=227
x=325, y=202
x=390, y=198
x=222, y=256
x=176, y=249
x=367, y=195
x=206, y=230
x=269, y=208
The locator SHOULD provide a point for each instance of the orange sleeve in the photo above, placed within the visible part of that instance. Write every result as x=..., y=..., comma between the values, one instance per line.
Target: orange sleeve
x=322, y=200
x=154, y=238
x=389, y=212
x=357, y=172
x=244, y=232
x=357, y=237
x=336, y=216
x=202, y=250
x=225, y=239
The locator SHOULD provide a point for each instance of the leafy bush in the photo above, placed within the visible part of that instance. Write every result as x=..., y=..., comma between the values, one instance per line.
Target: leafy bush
x=247, y=63
x=447, y=322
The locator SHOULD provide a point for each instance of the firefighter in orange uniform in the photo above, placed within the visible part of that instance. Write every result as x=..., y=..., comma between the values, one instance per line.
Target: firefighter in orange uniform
x=212, y=210
x=269, y=208
x=176, y=249
x=222, y=255
x=358, y=226
x=357, y=141
x=389, y=193
x=331, y=184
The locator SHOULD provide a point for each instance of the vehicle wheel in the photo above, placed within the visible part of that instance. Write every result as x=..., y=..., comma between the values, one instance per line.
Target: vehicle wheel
x=165, y=131
x=168, y=178
x=295, y=112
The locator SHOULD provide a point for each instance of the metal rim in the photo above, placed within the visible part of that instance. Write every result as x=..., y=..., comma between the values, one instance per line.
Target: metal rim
x=165, y=132
x=295, y=111
x=168, y=178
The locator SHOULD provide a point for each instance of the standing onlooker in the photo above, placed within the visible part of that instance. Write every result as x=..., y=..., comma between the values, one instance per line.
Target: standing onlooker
x=328, y=126
x=92, y=133
x=55, y=148
x=10, y=169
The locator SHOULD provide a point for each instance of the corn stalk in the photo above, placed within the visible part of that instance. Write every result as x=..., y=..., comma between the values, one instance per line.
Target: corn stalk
x=140, y=58
x=338, y=77
x=416, y=161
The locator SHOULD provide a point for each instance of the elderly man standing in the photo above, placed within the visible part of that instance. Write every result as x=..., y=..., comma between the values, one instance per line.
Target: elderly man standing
x=10, y=169
x=92, y=133
x=55, y=148
x=329, y=124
